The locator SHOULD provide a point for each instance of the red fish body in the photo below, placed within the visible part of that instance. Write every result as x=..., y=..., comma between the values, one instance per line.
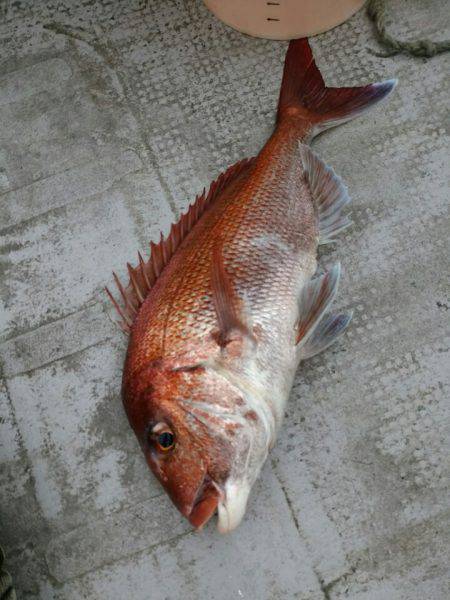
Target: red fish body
x=226, y=307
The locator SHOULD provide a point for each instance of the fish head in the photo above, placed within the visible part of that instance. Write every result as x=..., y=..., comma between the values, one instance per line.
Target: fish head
x=185, y=420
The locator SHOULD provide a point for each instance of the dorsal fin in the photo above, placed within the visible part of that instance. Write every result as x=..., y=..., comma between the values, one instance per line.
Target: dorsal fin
x=329, y=193
x=146, y=272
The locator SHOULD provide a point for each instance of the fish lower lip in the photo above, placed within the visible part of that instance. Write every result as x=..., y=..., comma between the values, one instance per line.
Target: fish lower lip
x=205, y=504
x=232, y=508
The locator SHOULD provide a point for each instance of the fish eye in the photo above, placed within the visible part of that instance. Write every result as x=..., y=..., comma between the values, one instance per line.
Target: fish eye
x=162, y=437
x=166, y=441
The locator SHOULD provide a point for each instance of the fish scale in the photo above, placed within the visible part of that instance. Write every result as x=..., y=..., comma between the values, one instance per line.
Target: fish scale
x=227, y=306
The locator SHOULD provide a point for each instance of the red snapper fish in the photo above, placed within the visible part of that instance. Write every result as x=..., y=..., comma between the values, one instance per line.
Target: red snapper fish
x=227, y=305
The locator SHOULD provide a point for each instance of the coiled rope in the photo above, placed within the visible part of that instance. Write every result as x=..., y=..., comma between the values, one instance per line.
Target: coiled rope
x=376, y=9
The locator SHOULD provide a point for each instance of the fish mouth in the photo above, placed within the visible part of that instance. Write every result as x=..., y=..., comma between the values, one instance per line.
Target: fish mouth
x=206, y=502
x=230, y=502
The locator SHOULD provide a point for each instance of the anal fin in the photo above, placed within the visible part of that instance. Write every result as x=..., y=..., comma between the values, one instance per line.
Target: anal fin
x=329, y=194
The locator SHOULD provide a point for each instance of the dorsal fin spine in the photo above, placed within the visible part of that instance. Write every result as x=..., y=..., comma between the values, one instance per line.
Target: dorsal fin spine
x=126, y=321
x=175, y=236
x=134, y=283
x=154, y=257
x=143, y=272
x=150, y=272
x=127, y=302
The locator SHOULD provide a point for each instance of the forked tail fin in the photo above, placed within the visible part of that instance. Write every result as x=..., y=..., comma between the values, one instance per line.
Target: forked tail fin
x=303, y=92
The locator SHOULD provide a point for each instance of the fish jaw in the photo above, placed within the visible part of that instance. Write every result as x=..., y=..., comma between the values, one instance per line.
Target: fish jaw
x=206, y=503
x=231, y=509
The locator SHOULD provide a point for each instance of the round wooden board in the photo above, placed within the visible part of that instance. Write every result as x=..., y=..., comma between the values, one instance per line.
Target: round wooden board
x=283, y=19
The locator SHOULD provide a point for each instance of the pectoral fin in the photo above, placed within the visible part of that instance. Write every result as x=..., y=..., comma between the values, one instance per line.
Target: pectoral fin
x=227, y=303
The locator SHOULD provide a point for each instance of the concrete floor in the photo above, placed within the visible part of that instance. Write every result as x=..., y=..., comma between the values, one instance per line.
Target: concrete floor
x=113, y=116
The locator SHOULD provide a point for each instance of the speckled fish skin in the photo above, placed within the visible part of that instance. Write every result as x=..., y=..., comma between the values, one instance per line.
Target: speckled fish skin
x=220, y=391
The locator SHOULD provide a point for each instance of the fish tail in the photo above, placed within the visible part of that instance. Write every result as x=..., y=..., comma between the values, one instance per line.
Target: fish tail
x=303, y=93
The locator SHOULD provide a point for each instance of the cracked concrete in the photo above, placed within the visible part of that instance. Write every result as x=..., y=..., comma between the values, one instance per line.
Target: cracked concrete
x=113, y=116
